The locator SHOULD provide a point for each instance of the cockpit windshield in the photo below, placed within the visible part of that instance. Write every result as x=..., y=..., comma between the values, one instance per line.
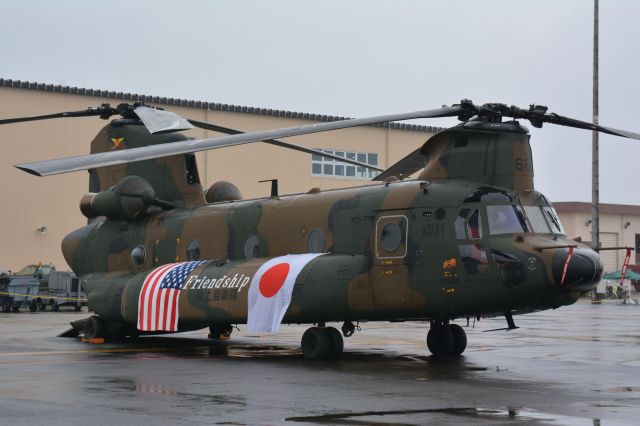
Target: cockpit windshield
x=505, y=219
x=536, y=219
x=554, y=221
x=543, y=220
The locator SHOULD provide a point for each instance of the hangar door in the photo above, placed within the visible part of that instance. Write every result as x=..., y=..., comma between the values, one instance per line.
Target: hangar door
x=609, y=257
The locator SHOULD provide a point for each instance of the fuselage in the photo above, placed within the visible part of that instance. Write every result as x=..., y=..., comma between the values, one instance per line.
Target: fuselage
x=393, y=251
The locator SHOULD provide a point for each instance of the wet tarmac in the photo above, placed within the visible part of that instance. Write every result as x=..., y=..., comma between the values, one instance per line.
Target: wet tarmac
x=579, y=365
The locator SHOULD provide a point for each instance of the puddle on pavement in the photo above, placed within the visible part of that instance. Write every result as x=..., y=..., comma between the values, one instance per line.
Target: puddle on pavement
x=404, y=416
x=115, y=386
x=625, y=389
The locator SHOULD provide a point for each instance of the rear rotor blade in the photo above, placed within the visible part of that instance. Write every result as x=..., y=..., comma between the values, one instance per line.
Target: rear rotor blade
x=405, y=167
x=228, y=131
x=104, y=110
x=161, y=121
x=91, y=161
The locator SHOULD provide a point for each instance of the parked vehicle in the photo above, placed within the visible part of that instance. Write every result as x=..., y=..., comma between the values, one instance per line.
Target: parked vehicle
x=63, y=289
x=17, y=291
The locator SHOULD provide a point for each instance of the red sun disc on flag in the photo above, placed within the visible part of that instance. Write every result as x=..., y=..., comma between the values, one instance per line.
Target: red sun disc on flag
x=273, y=279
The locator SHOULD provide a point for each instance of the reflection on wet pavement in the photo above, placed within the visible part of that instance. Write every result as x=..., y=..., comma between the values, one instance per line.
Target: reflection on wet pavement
x=573, y=366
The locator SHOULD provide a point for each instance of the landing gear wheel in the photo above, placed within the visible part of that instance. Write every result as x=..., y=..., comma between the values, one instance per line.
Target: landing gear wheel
x=94, y=327
x=6, y=308
x=77, y=308
x=459, y=339
x=33, y=305
x=440, y=339
x=316, y=343
x=337, y=343
x=15, y=308
x=220, y=331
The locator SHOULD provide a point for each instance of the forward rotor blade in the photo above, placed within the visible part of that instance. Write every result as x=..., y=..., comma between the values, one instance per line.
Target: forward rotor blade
x=111, y=158
x=571, y=122
x=228, y=131
x=537, y=116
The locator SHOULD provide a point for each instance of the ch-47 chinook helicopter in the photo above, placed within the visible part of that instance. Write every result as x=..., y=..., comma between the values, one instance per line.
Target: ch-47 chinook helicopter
x=469, y=237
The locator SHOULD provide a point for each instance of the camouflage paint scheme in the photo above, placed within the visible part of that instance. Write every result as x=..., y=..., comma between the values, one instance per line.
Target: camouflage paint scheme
x=424, y=277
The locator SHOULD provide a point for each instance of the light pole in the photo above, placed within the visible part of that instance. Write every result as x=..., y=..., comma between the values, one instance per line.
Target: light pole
x=595, y=177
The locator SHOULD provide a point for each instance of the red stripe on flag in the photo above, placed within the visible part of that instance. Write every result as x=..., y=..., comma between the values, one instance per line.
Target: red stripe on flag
x=161, y=308
x=173, y=326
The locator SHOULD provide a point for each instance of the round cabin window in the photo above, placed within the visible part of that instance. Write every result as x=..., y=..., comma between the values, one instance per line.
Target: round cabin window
x=251, y=247
x=315, y=243
x=138, y=256
x=193, y=250
x=391, y=237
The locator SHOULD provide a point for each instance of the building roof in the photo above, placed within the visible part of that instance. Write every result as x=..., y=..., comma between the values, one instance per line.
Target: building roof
x=583, y=207
x=211, y=106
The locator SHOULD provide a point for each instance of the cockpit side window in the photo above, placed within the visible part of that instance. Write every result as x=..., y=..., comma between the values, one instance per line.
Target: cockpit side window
x=505, y=219
x=474, y=225
x=468, y=224
x=474, y=259
x=460, y=224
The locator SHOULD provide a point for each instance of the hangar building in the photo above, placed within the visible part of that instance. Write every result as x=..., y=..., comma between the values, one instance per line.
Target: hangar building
x=38, y=212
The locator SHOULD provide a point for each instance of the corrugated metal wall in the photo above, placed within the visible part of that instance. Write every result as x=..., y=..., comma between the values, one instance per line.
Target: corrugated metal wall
x=30, y=202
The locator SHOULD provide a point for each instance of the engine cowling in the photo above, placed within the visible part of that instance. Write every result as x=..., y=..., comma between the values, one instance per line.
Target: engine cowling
x=127, y=200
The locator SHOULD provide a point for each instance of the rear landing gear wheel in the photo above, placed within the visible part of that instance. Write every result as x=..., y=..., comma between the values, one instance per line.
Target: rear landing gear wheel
x=459, y=339
x=94, y=328
x=220, y=331
x=6, y=308
x=316, y=343
x=440, y=339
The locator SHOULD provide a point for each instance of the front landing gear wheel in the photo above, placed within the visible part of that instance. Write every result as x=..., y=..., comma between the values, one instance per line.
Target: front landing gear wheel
x=337, y=343
x=440, y=339
x=459, y=339
x=94, y=328
x=316, y=343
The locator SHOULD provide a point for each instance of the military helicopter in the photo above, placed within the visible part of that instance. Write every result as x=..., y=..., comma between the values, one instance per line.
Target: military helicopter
x=469, y=237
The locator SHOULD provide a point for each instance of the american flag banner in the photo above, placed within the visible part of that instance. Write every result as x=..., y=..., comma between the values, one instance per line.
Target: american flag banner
x=160, y=294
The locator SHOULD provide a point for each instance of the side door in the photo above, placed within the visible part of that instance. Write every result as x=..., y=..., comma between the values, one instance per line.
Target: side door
x=389, y=276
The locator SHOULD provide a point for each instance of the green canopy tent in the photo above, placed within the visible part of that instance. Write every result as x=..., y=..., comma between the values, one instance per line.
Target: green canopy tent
x=630, y=275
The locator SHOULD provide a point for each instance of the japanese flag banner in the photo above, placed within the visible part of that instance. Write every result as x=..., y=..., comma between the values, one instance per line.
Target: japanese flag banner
x=270, y=291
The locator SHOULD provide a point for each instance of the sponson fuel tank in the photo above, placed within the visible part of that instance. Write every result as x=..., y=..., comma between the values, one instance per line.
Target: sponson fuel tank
x=215, y=292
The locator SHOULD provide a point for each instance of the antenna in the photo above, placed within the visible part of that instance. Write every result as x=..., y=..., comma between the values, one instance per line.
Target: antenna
x=274, y=186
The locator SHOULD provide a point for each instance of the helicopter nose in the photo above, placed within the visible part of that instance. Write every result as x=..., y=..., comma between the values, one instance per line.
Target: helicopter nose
x=584, y=269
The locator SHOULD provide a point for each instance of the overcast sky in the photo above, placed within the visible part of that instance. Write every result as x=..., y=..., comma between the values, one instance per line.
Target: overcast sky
x=357, y=58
